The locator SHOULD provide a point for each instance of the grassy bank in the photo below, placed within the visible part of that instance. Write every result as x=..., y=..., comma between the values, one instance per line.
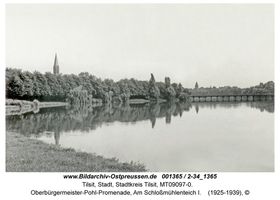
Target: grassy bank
x=29, y=155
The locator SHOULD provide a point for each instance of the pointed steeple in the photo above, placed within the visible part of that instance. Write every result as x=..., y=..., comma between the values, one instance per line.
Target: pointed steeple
x=55, y=65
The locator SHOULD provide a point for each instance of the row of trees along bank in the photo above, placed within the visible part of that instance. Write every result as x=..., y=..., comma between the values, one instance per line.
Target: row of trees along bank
x=260, y=89
x=86, y=87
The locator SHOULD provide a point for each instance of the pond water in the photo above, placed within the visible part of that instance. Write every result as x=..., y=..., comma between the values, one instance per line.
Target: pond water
x=168, y=137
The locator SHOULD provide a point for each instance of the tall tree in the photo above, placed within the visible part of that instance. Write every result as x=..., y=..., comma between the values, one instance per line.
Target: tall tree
x=154, y=91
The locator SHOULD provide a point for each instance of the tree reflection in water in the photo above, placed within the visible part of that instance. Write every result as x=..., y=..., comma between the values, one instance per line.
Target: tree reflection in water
x=53, y=121
x=267, y=106
x=84, y=119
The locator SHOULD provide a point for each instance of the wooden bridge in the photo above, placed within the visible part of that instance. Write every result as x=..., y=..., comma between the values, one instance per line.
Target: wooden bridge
x=231, y=97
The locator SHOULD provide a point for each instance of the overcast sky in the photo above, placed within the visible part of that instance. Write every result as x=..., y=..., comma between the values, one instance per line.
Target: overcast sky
x=215, y=45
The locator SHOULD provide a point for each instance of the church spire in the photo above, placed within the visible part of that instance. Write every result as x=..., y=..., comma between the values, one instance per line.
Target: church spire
x=55, y=65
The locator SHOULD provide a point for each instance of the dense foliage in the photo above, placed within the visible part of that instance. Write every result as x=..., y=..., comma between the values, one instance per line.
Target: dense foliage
x=261, y=89
x=50, y=87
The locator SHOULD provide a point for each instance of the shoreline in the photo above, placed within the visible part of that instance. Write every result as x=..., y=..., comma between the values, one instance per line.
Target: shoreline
x=16, y=107
x=25, y=154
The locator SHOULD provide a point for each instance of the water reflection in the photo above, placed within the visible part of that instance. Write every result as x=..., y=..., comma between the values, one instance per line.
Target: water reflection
x=84, y=119
x=196, y=108
x=56, y=137
x=53, y=121
x=267, y=106
x=183, y=137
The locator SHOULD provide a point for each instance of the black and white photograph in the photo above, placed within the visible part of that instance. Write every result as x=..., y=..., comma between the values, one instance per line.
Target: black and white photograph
x=139, y=87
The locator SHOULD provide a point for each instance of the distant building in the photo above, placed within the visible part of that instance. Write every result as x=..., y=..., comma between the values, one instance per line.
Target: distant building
x=55, y=65
x=196, y=85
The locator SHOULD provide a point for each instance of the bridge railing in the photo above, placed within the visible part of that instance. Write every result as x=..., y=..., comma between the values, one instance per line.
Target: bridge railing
x=217, y=95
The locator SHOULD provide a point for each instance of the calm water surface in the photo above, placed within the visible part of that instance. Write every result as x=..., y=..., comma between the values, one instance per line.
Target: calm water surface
x=177, y=137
